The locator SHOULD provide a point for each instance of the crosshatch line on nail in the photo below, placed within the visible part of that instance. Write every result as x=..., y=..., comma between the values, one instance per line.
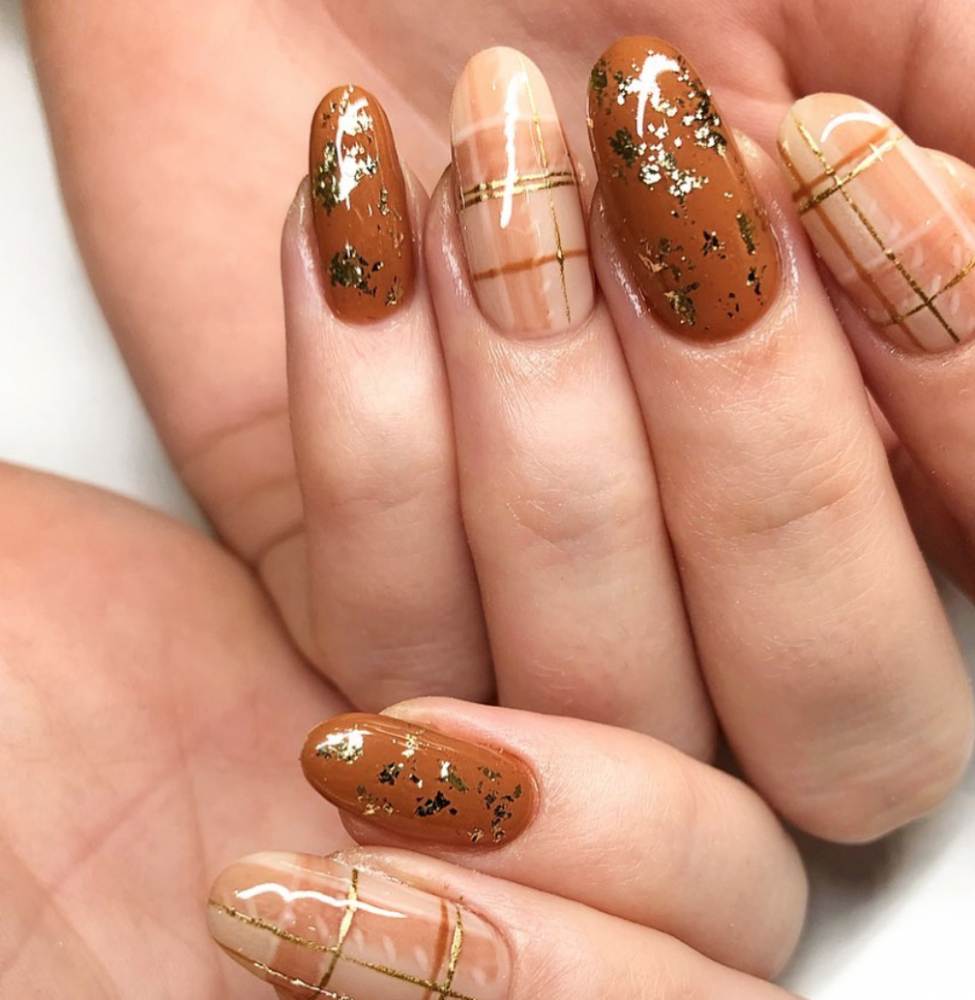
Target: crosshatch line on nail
x=878, y=153
x=806, y=188
x=865, y=276
x=495, y=189
x=876, y=237
x=560, y=255
x=527, y=265
x=351, y=908
x=445, y=991
x=958, y=278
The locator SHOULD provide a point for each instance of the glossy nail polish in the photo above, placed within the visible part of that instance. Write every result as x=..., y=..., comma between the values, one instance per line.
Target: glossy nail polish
x=884, y=218
x=419, y=782
x=361, y=217
x=316, y=927
x=688, y=218
x=520, y=215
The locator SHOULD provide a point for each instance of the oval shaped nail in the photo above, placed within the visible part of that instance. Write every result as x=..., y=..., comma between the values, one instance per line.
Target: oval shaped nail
x=317, y=927
x=520, y=214
x=885, y=219
x=360, y=208
x=688, y=218
x=419, y=782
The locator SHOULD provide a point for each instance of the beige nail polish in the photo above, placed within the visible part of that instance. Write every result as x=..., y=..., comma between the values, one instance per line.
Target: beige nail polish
x=884, y=218
x=315, y=927
x=520, y=214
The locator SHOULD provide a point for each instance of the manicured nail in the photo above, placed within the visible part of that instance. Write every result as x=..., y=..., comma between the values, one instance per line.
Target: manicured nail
x=317, y=927
x=361, y=217
x=884, y=218
x=417, y=781
x=694, y=231
x=520, y=214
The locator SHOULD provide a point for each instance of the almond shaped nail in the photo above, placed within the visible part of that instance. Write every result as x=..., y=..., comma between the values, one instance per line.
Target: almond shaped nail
x=317, y=927
x=521, y=218
x=419, y=782
x=885, y=219
x=360, y=209
x=694, y=231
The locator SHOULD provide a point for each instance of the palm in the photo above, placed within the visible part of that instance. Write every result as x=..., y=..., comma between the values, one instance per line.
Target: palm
x=151, y=710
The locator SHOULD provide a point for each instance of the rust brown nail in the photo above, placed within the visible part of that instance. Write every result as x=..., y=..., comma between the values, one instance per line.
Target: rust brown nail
x=419, y=782
x=362, y=221
x=674, y=180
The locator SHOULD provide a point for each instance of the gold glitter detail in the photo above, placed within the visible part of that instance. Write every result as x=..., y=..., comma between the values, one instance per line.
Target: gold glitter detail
x=446, y=993
x=599, y=81
x=926, y=301
x=559, y=250
x=449, y=776
x=683, y=304
x=345, y=747
x=412, y=743
x=747, y=229
x=879, y=152
x=351, y=905
x=349, y=269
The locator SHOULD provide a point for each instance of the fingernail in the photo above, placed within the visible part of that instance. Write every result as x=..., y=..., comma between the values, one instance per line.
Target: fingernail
x=884, y=218
x=419, y=782
x=692, y=227
x=362, y=221
x=520, y=214
x=317, y=927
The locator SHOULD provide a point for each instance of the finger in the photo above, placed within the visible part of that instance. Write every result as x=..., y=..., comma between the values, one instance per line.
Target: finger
x=557, y=485
x=371, y=924
x=899, y=239
x=522, y=796
x=393, y=602
x=833, y=669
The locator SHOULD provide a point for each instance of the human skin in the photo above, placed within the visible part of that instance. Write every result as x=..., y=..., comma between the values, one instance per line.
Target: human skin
x=234, y=451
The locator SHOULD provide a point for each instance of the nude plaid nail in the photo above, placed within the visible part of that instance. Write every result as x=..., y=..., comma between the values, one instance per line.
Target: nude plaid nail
x=315, y=927
x=885, y=219
x=520, y=214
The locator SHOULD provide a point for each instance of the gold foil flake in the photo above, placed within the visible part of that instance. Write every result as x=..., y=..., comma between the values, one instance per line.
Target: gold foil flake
x=747, y=230
x=383, y=205
x=625, y=148
x=390, y=773
x=325, y=184
x=662, y=164
x=394, y=293
x=372, y=804
x=345, y=747
x=682, y=303
x=449, y=776
x=477, y=835
x=430, y=807
x=412, y=744
x=349, y=269
x=599, y=81
x=656, y=259
x=712, y=244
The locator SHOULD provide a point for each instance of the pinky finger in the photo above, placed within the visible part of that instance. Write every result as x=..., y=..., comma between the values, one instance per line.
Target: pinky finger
x=390, y=925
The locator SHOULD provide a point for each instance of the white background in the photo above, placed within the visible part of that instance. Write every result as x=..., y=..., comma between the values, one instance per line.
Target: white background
x=893, y=921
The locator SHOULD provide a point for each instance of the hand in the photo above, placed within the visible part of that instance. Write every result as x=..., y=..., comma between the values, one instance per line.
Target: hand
x=233, y=450
x=604, y=861
x=151, y=711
